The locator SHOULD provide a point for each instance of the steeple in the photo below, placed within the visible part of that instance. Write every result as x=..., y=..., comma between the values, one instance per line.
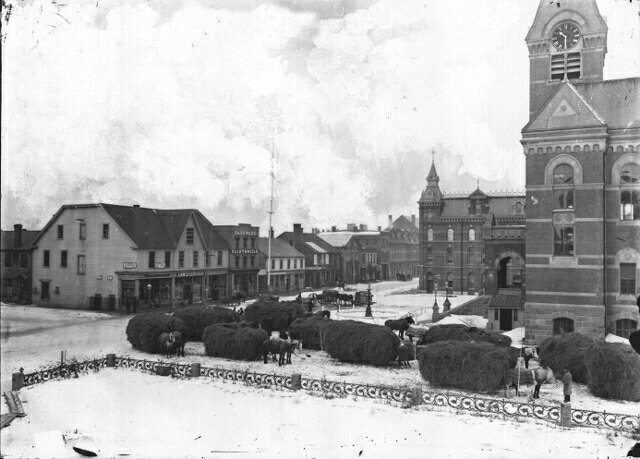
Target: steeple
x=432, y=193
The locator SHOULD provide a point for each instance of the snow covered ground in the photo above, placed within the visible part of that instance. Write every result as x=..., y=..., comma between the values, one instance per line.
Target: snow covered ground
x=150, y=416
x=142, y=415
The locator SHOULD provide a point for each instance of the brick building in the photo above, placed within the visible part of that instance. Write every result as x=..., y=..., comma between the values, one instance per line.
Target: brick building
x=403, y=246
x=245, y=258
x=16, y=271
x=582, y=146
x=107, y=256
x=474, y=243
x=359, y=253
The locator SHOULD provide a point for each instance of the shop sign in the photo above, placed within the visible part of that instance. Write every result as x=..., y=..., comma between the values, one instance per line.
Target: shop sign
x=245, y=233
x=129, y=265
x=159, y=265
x=190, y=273
x=244, y=251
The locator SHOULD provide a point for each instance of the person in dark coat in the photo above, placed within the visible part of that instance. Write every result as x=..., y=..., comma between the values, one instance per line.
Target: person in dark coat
x=567, y=379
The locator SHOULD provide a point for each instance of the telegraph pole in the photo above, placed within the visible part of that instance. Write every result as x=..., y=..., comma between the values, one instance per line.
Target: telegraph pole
x=273, y=141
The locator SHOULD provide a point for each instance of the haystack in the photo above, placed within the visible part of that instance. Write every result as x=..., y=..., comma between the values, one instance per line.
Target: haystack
x=456, y=332
x=273, y=315
x=614, y=371
x=478, y=367
x=197, y=318
x=242, y=344
x=143, y=330
x=353, y=341
x=310, y=331
x=566, y=351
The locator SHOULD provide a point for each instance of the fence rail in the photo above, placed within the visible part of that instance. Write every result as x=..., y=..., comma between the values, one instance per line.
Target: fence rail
x=414, y=396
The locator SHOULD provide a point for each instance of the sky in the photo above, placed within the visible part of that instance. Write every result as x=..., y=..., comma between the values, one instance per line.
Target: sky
x=181, y=103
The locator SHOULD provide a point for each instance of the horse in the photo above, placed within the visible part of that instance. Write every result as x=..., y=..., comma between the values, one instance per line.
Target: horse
x=166, y=341
x=271, y=346
x=402, y=325
x=345, y=298
x=530, y=352
x=286, y=349
x=178, y=344
x=541, y=375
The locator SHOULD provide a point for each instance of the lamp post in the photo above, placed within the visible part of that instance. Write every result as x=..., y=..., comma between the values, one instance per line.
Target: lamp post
x=149, y=296
x=367, y=312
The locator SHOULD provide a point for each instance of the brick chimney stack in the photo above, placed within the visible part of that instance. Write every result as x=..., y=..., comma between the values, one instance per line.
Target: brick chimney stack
x=17, y=236
x=413, y=219
x=390, y=220
x=297, y=228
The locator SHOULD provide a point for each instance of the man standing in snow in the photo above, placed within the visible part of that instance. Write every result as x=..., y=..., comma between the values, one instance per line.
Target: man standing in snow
x=566, y=381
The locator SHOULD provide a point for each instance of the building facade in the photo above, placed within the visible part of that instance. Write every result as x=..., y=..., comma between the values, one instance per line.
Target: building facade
x=16, y=271
x=111, y=257
x=322, y=260
x=581, y=146
x=244, y=256
x=403, y=247
x=287, y=267
x=359, y=253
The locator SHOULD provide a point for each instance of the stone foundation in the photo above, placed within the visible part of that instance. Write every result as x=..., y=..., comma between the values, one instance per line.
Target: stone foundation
x=587, y=320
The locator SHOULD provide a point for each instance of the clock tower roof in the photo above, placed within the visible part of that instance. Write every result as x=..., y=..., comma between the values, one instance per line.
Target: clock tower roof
x=583, y=12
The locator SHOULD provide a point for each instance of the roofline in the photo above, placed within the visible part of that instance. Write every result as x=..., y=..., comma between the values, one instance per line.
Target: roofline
x=62, y=208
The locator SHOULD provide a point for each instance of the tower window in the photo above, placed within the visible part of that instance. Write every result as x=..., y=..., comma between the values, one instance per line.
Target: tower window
x=429, y=235
x=629, y=194
x=627, y=278
x=565, y=64
x=563, y=241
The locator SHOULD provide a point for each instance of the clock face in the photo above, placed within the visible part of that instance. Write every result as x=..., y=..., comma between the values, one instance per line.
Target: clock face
x=565, y=36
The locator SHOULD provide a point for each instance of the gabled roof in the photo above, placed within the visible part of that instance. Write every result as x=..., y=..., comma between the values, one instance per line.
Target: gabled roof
x=279, y=248
x=547, y=10
x=617, y=101
x=302, y=238
x=6, y=239
x=478, y=194
x=210, y=237
x=565, y=108
x=337, y=238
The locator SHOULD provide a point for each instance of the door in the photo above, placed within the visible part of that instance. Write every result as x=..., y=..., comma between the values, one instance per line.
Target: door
x=506, y=319
x=44, y=286
x=187, y=293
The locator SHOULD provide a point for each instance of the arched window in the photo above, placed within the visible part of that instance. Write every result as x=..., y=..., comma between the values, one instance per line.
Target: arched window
x=450, y=234
x=624, y=327
x=472, y=234
x=429, y=235
x=562, y=325
x=449, y=254
x=629, y=193
x=563, y=187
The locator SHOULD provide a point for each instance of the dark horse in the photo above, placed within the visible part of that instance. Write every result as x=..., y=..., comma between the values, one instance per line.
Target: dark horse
x=402, y=325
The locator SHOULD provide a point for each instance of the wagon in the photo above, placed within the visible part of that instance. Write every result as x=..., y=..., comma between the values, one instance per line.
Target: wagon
x=363, y=298
x=328, y=296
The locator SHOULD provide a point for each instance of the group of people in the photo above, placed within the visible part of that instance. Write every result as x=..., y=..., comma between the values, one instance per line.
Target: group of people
x=543, y=373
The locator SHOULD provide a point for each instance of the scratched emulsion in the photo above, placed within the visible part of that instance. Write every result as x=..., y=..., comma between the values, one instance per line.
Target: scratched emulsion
x=178, y=104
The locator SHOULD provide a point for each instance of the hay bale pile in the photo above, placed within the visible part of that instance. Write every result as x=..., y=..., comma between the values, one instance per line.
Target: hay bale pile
x=566, y=351
x=614, y=371
x=197, y=318
x=143, y=330
x=273, y=314
x=478, y=367
x=241, y=344
x=455, y=332
x=353, y=341
x=310, y=330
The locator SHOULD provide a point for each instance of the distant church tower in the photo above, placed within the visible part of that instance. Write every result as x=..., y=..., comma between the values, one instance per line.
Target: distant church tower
x=582, y=179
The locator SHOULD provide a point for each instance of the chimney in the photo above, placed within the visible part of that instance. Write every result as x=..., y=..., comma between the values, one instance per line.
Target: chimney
x=363, y=227
x=136, y=206
x=351, y=227
x=334, y=229
x=390, y=220
x=17, y=236
x=413, y=219
x=379, y=228
x=297, y=228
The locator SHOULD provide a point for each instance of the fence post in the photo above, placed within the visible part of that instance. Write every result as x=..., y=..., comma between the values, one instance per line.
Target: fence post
x=195, y=370
x=17, y=381
x=416, y=395
x=111, y=360
x=296, y=381
x=565, y=414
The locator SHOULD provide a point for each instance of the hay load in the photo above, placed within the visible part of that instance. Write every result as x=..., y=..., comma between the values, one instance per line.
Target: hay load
x=456, y=332
x=197, y=318
x=241, y=344
x=271, y=315
x=566, y=351
x=614, y=371
x=143, y=330
x=353, y=341
x=478, y=367
x=310, y=331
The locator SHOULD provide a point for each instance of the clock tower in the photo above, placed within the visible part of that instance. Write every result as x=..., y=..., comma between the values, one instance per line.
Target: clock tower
x=568, y=40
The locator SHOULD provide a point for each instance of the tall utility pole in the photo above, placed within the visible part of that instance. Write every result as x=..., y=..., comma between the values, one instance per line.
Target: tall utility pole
x=270, y=215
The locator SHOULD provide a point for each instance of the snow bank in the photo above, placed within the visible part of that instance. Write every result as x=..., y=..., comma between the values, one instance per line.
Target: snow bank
x=469, y=321
x=516, y=335
x=611, y=338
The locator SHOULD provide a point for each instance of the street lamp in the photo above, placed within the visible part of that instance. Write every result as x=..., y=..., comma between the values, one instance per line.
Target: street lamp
x=367, y=312
x=149, y=296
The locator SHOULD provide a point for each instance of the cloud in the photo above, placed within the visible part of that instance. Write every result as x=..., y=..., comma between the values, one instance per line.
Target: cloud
x=172, y=104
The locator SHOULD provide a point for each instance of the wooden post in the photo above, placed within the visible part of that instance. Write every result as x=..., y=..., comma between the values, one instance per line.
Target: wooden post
x=416, y=395
x=296, y=381
x=565, y=414
x=195, y=370
x=17, y=381
x=111, y=360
